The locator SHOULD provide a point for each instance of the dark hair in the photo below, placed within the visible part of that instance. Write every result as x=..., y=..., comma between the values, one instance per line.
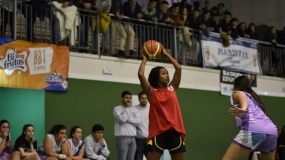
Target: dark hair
x=228, y=13
x=141, y=93
x=25, y=127
x=206, y=12
x=233, y=20
x=196, y=9
x=216, y=15
x=243, y=84
x=124, y=93
x=221, y=4
x=97, y=127
x=73, y=129
x=196, y=4
x=4, y=121
x=56, y=128
x=249, y=29
x=206, y=2
x=154, y=76
x=164, y=2
x=152, y=1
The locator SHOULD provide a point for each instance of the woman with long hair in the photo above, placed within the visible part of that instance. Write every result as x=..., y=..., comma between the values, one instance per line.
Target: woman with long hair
x=76, y=145
x=6, y=145
x=54, y=145
x=26, y=144
x=251, y=31
x=166, y=128
x=257, y=131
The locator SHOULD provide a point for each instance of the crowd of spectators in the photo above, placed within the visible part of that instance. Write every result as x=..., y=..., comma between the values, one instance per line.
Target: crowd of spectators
x=125, y=15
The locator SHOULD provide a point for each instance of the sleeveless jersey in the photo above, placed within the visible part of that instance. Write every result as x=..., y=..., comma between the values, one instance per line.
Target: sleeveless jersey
x=254, y=119
x=55, y=148
x=75, y=149
x=164, y=112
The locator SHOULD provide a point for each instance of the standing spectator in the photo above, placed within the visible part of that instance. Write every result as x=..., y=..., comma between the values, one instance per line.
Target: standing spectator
x=126, y=121
x=26, y=144
x=281, y=37
x=194, y=20
x=233, y=32
x=215, y=23
x=205, y=21
x=206, y=7
x=125, y=32
x=225, y=23
x=174, y=15
x=281, y=144
x=242, y=32
x=102, y=7
x=252, y=32
x=95, y=145
x=221, y=10
x=271, y=36
x=132, y=9
x=142, y=129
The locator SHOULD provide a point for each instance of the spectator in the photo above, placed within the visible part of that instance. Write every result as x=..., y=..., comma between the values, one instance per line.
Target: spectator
x=174, y=15
x=148, y=11
x=233, y=32
x=142, y=128
x=196, y=5
x=221, y=10
x=194, y=20
x=126, y=121
x=281, y=144
x=242, y=32
x=103, y=7
x=225, y=23
x=85, y=7
x=184, y=3
x=281, y=37
x=161, y=13
x=206, y=7
x=76, y=145
x=215, y=23
x=125, y=32
x=132, y=9
x=205, y=21
x=271, y=36
x=95, y=145
x=252, y=32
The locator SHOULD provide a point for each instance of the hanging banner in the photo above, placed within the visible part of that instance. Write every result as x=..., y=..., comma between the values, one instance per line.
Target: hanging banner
x=241, y=55
x=227, y=80
x=33, y=65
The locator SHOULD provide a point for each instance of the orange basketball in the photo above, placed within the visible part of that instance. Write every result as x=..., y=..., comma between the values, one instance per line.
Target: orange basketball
x=151, y=49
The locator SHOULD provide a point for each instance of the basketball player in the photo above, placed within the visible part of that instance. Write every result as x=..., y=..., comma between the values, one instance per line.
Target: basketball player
x=166, y=128
x=257, y=131
x=76, y=145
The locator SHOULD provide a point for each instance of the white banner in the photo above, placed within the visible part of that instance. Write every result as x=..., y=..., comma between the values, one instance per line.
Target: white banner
x=241, y=55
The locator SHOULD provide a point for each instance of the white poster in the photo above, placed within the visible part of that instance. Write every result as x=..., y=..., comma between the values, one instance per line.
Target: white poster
x=241, y=55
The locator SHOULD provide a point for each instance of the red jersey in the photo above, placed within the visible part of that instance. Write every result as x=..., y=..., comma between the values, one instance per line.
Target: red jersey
x=164, y=112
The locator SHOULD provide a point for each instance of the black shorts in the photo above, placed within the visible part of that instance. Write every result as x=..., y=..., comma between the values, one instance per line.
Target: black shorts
x=170, y=140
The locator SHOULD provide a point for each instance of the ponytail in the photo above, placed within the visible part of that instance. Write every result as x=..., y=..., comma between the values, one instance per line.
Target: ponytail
x=258, y=100
x=56, y=128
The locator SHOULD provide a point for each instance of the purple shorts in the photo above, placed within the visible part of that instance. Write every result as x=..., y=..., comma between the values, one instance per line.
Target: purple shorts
x=4, y=155
x=265, y=143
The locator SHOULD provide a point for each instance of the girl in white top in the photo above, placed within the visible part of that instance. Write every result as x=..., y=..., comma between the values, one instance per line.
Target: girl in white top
x=76, y=145
x=53, y=145
x=6, y=147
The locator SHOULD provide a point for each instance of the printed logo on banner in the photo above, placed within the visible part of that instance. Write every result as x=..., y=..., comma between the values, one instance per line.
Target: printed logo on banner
x=56, y=79
x=13, y=61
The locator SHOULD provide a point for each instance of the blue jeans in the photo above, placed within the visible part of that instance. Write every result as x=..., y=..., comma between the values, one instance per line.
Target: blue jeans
x=141, y=148
x=126, y=147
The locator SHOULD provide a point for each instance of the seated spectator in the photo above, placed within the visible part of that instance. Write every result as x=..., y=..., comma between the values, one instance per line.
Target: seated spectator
x=233, y=32
x=252, y=32
x=225, y=23
x=194, y=20
x=205, y=21
x=125, y=32
x=95, y=145
x=206, y=7
x=281, y=37
x=103, y=7
x=242, y=32
x=148, y=11
x=271, y=36
x=6, y=142
x=161, y=13
x=26, y=144
x=76, y=145
x=281, y=144
x=174, y=15
x=215, y=23
x=53, y=146
x=184, y=3
x=221, y=10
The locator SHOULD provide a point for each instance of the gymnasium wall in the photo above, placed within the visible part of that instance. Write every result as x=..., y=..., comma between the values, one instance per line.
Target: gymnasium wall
x=23, y=106
x=208, y=126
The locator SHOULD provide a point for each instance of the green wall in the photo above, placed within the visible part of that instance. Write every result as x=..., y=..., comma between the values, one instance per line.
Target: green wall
x=23, y=106
x=209, y=128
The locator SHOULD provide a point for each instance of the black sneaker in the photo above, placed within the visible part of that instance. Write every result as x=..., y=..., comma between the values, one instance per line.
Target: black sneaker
x=132, y=53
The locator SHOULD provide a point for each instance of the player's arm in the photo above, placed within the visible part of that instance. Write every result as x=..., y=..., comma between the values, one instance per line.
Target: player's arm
x=48, y=148
x=239, y=98
x=144, y=83
x=177, y=74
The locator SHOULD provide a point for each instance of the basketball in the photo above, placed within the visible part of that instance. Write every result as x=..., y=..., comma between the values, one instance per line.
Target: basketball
x=151, y=49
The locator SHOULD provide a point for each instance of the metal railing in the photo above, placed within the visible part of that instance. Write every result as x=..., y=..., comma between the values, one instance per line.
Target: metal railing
x=125, y=37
